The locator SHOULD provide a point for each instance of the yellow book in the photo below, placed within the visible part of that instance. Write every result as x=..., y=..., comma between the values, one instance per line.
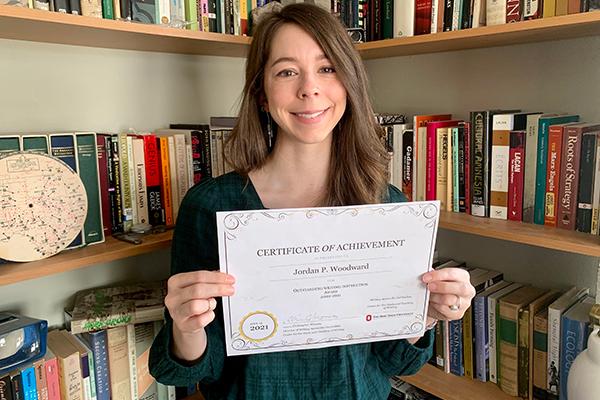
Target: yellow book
x=165, y=182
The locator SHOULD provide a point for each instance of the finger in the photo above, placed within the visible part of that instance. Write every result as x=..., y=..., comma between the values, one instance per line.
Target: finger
x=447, y=274
x=463, y=289
x=186, y=279
x=444, y=299
x=196, y=307
x=446, y=313
x=197, y=322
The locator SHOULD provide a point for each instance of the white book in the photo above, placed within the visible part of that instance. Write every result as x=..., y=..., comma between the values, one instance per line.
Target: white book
x=132, y=359
x=456, y=17
x=132, y=179
x=495, y=12
x=478, y=13
x=531, y=144
x=435, y=4
x=397, y=131
x=126, y=203
x=555, y=311
x=502, y=124
x=164, y=12
x=177, y=11
x=174, y=181
x=491, y=320
x=404, y=18
x=140, y=181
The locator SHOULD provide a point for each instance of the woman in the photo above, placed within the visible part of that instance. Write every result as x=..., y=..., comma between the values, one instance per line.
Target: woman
x=305, y=137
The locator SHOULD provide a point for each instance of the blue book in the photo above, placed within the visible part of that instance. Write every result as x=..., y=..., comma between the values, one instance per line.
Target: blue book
x=542, y=159
x=455, y=339
x=97, y=341
x=481, y=331
x=29, y=386
x=574, y=332
x=62, y=146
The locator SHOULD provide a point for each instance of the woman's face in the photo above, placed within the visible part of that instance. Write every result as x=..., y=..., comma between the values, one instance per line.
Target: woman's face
x=303, y=93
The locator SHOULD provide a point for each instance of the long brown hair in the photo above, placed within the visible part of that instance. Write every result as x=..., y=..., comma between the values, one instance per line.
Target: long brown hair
x=358, y=170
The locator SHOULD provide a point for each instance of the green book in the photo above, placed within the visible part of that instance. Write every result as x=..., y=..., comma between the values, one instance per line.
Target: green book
x=107, y=9
x=87, y=158
x=37, y=143
x=9, y=144
x=542, y=161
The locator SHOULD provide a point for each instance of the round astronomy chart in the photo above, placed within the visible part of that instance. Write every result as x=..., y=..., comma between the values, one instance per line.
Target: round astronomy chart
x=43, y=206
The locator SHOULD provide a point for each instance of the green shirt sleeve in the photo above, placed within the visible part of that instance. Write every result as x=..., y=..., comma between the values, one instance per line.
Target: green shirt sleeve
x=194, y=247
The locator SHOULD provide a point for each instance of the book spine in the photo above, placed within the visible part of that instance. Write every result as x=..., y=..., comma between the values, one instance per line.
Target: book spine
x=508, y=348
x=17, y=385
x=430, y=165
x=52, y=378
x=29, y=384
x=125, y=183
x=441, y=175
x=140, y=185
x=532, y=9
x=197, y=159
x=131, y=173
x=165, y=182
x=174, y=181
x=132, y=361
x=569, y=179
x=104, y=187
x=540, y=355
x=481, y=338
x=453, y=168
x=440, y=360
x=98, y=343
x=36, y=143
x=114, y=183
x=467, y=141
x=466, y=14
x=478, y=161
x=206, y=152
x=523, y=354
x=553, y=367
x=212, y=16
x=408, y=163
x=499, y=166
x=40, y=380
x=181, y=166
x=62, y=146
x=493, y=340
x=455, y=347
x=456, y=12
x=583, y=220
x=448, y=12
x=87, y=156
x=516, y=175
x=461, y=164
x=513, y=11
x=552, y=174
x=574, y=341
x=467, y=335
x=156, y=212
x=530, y=165
x=596, y=196
x=120, y=386
x=496, y=12
x=5, y=388
x=422, y=17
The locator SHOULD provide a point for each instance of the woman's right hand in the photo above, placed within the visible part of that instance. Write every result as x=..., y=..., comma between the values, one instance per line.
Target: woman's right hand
x=191, y=302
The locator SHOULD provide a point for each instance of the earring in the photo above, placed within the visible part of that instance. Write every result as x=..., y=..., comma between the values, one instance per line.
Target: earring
x=269, y=132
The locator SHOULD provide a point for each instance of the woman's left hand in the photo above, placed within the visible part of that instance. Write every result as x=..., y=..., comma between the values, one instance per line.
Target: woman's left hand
x=451, y=293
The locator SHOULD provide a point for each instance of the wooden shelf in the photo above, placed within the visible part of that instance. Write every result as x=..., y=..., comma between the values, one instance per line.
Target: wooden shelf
x=69, y=260
x=53, y=27
x=535, y=235
x=451, y=387
x=538, y=30
x=43, y=26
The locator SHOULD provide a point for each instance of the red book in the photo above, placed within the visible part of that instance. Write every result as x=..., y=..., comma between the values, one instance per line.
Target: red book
x=156, y=211
x=52, y=378
x=569, y=174
x=104, y=189
x=516, y=175
x=422, y=17
x=431, y=159
x=555, y=139
x=513, y=11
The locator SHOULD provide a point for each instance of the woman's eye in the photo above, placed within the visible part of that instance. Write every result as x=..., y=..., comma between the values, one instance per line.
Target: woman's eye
x=329, y=70
x=286, y=73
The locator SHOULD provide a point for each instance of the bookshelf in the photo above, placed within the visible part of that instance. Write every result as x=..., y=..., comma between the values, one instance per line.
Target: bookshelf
x=45, y=27
x=452, y=387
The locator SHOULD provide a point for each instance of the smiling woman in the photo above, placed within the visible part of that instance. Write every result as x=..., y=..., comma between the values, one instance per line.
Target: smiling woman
x=306, y=136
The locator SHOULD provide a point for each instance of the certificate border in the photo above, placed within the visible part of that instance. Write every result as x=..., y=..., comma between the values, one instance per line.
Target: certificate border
x=232, y=220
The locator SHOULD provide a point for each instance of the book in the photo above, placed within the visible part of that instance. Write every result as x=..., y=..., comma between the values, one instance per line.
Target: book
x=87, y=159
x=97, y=342
x=432, y=157
x=555, y=140
x=531, y=143
x=87, y=370
x=52, y=376
x=508, y=335
x=540, y=355
x=69, y=367
x=119, y=364
x=101, y=308
x=569, y=174
x=37, y=143
x=541, y=166
x=583, y=218
x=516, y=175
x=555, y=311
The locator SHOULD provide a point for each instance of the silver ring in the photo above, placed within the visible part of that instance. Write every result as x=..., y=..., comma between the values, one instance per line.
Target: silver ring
x=455, y=307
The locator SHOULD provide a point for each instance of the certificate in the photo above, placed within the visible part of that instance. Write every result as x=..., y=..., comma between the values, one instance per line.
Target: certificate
x=319, y=277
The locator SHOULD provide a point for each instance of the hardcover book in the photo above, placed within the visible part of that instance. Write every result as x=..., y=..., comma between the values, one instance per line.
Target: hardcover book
x=101, y=308
x=516, y=175
x=583, y=221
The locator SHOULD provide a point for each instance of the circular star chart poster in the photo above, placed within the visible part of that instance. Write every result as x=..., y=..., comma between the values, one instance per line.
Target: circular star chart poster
x=43, y=206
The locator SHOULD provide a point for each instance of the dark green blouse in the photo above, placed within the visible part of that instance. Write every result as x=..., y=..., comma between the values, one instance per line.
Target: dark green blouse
x=352, y=372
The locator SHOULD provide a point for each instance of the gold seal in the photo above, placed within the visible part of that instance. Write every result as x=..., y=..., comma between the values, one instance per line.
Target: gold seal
x=258, y=326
